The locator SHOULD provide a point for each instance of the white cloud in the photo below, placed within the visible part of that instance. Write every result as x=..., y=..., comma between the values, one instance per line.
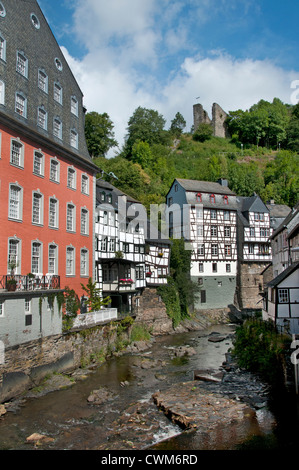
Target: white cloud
x=126, y=50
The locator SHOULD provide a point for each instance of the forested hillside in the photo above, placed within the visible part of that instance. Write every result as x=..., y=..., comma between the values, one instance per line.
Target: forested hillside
x=261, y=156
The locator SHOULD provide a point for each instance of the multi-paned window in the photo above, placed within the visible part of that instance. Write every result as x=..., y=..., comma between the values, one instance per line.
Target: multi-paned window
x=42, y=118
x=74, y=138
x=2, y=48
x=38, y=164
x=53, y=213
x=70, y=261
x=54, y=171
x=22, y=64
x=17, y=153
x=2, y=92
x=227, y=232
x=43, y=81
x=37, y=208
x=71, y=178
x=57, y=93
x=283, y=296
x=70, y=218
x=74, y=105
x=36, y=258
x=214, y=231
x=52, y=260
x=228, y=250
x=13, y=256
x=15, y=202
x=84, y=262
x=214, y=249
x=84, y=221
x=57, y=128
x=21, y=105
x=84, y=184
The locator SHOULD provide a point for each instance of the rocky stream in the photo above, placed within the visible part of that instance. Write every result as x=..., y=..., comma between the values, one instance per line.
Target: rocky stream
x=178, y=392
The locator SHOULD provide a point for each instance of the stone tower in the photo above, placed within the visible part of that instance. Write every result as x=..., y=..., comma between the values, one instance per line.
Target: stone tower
x=218, y=119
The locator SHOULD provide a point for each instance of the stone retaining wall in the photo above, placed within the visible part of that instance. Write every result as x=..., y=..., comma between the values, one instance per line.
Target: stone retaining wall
x=26, y=365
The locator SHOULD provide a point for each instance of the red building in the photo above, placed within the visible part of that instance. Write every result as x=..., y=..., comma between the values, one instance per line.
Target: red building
x=47, y=178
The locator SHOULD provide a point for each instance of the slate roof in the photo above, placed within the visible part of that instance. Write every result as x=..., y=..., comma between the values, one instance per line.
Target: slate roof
x=284, y=275
x=204, y=187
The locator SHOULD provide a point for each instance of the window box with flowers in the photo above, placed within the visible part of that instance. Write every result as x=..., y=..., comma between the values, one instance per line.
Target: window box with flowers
x=148, y=274
x=126, y=281
x=160, y=254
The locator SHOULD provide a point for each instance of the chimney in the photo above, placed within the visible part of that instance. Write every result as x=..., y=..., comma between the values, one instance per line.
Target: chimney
x=223, y=182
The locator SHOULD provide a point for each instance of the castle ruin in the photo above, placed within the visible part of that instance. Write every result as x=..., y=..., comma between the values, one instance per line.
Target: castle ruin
x=219, y=116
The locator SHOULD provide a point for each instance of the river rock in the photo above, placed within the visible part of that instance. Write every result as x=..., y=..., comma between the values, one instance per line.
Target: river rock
x=99, y=396
x=2, y=410
x=193, y=407
x=184, y=351
x=38, y=438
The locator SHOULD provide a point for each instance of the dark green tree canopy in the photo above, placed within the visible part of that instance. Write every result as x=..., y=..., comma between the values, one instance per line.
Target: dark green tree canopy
x=178, y=124
x=99, y=134
x=146, y=125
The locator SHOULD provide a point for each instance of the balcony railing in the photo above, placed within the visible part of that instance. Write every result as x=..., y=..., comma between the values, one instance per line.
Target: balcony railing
x=28, y=283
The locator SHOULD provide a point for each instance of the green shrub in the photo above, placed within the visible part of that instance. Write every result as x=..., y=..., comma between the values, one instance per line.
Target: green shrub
x=259, y=348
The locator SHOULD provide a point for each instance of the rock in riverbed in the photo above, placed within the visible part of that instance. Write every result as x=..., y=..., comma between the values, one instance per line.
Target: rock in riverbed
x=193, y=407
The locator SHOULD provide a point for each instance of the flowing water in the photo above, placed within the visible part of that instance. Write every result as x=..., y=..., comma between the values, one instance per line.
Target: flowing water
x=75, y=424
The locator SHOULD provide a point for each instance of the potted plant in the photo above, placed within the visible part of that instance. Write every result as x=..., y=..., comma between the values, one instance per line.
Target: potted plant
x=11, y=284
x=148, y=274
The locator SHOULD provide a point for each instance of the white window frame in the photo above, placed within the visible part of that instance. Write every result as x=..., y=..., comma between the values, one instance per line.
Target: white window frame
x=2, y=10
x=53, y=215
x=16, y=212
x=37, y=209
x=58, y=93
x=21, y=104
x=214, y=249
x=19, y=161
x=2, y=48
x=57, y=127
x=38, y=156
x=42, y=81
x=14, y=255
x=37, y=268
x=22, y=64
x=85, y=184
x=74, y=105
x=74, y=138
x=2, y=92
x=53, y=259
x=55, y=162
x=70, y=261
x=84, y=221
x=71, y=178
x=42, y=118
x=84, y=262
x=71, y=217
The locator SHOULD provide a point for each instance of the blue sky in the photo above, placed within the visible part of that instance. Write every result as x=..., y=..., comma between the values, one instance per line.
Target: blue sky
x=164, y=54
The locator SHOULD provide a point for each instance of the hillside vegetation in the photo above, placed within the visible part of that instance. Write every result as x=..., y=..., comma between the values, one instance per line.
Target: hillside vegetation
x=153, y=157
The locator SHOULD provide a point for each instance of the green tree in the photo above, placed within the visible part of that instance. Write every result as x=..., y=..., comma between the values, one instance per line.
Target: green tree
x=178, y=124
x=145, y=125
x=99, y=134
x=142, y=154
x=203, y=132
x=94, y=299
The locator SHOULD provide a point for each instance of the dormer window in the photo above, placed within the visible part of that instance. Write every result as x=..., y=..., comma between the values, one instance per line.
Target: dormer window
x=212, y=198
x=198, y=197
x=35, y=21
x=225, y=199
x=2, y=10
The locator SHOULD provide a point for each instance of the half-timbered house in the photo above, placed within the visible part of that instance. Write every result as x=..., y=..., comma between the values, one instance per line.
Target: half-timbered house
x=205, y=215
